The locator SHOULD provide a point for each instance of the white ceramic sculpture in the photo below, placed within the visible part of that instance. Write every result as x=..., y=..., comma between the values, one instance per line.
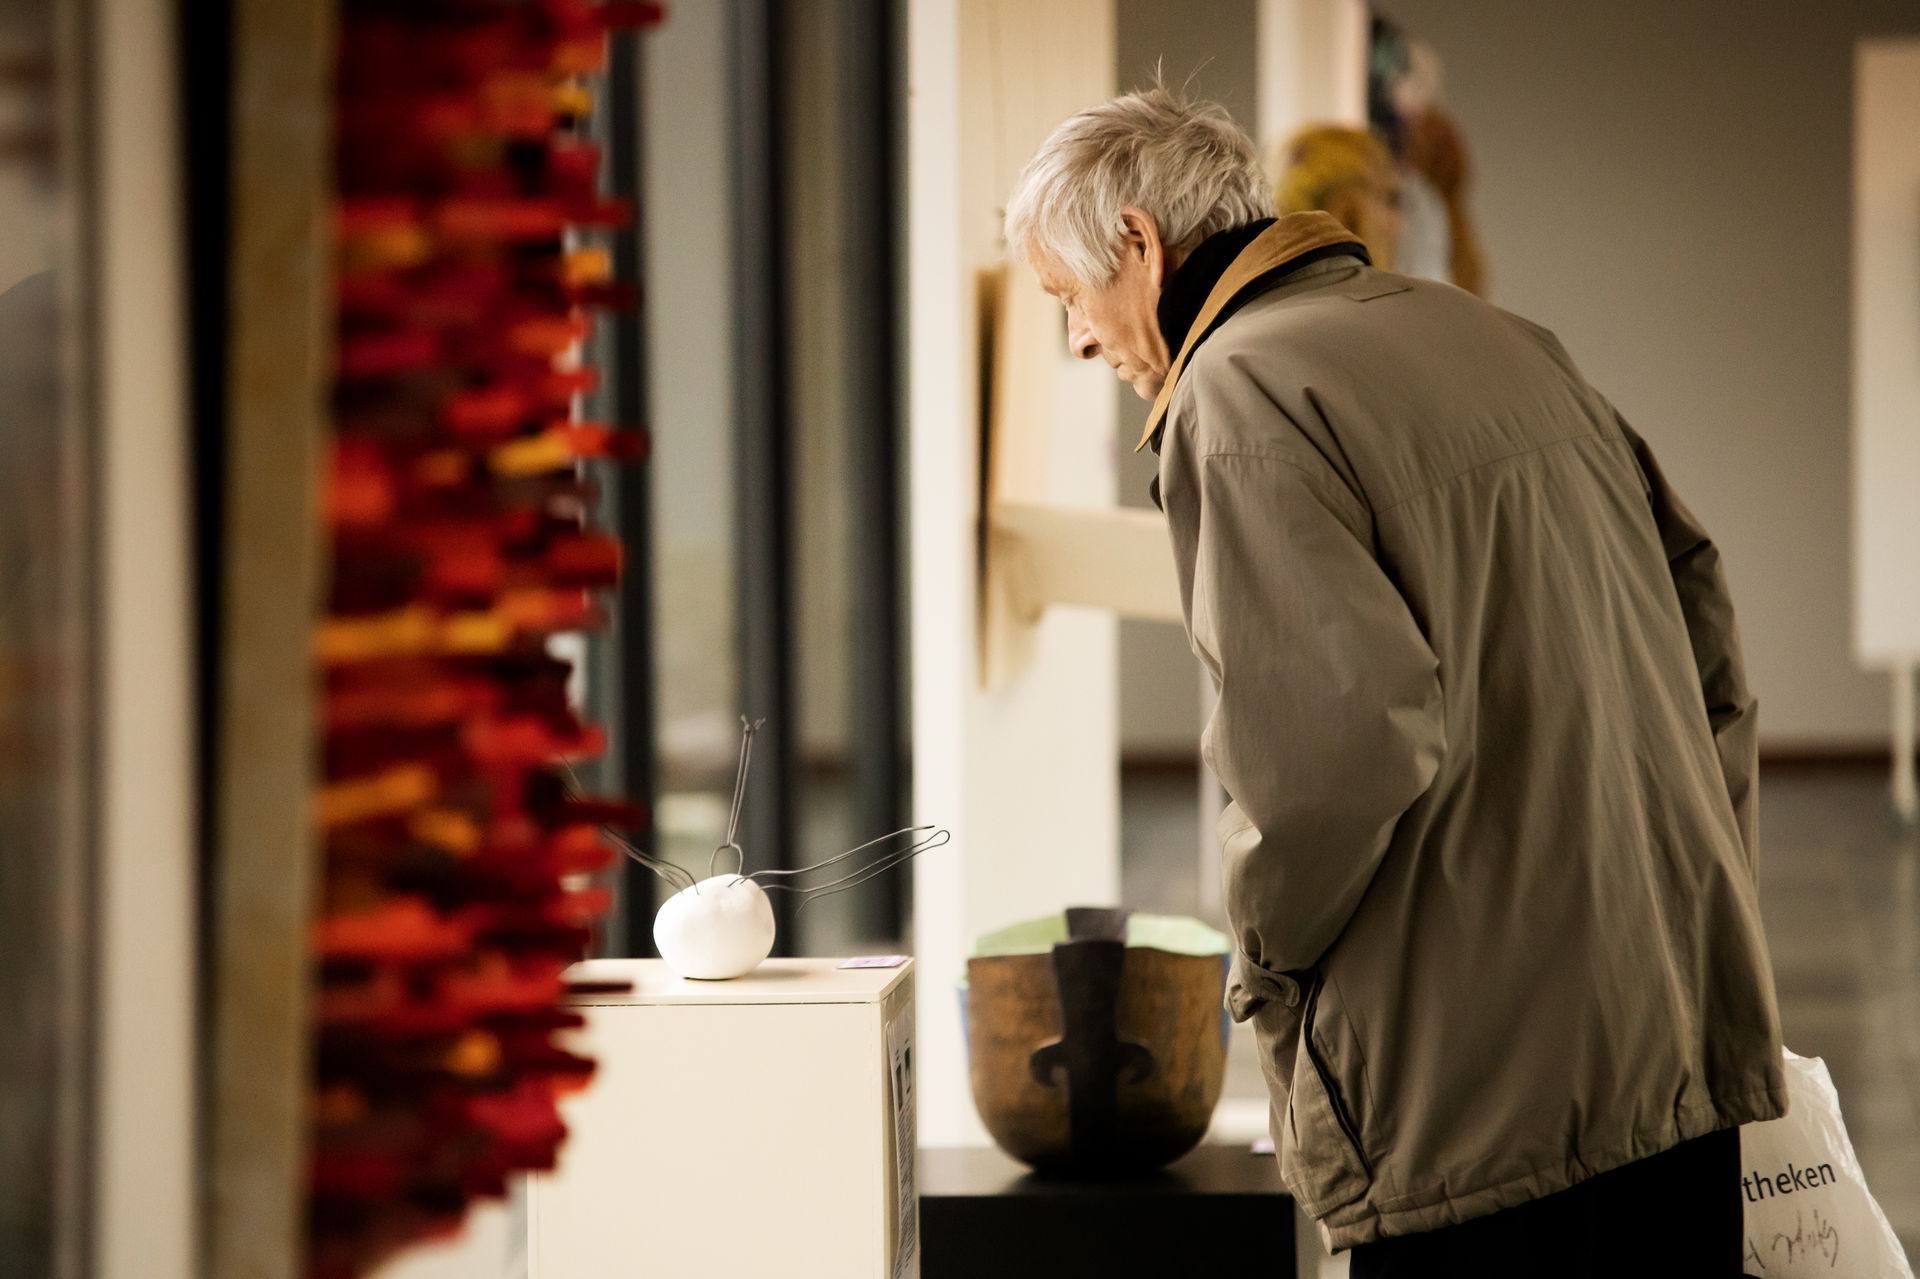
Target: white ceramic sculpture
x=723, y=926
x=719, y=928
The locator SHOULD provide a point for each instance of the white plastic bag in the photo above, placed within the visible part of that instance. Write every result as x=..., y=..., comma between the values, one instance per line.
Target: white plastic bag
x=1807, y=1206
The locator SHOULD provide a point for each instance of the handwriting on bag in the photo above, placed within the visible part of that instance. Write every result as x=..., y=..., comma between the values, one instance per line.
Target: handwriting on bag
x=1784, y=1249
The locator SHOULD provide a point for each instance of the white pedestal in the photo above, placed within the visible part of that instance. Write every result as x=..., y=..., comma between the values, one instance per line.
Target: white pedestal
x=737, y=1129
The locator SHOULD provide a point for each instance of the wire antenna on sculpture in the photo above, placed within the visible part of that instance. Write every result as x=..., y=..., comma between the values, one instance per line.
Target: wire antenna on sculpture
x=677, y=876
x=722, y=926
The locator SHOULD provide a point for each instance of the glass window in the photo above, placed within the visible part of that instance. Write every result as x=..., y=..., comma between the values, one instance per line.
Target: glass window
x=46, y=639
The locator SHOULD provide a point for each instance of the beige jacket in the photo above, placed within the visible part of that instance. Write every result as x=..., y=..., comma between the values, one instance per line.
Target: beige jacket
x=1490, y=860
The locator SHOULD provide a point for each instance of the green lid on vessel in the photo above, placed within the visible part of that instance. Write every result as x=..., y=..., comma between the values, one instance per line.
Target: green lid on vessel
x=1177, y=934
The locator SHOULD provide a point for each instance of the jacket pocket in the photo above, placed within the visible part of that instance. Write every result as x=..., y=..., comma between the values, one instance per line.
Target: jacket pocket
x=1324, y=1158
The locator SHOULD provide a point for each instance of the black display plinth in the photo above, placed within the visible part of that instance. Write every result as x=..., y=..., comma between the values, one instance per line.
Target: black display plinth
x=982, y=1213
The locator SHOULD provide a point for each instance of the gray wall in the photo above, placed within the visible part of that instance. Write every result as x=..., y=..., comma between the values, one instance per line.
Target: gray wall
x=1667, y=185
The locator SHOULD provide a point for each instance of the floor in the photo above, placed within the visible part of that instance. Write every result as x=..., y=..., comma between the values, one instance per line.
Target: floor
x=1840, y=892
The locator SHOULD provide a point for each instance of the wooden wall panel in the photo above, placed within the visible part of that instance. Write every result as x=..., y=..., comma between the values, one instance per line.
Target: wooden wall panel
x=279, y=336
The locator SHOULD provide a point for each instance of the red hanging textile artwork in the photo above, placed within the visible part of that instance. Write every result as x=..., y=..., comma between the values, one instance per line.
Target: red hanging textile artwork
x=455, y=519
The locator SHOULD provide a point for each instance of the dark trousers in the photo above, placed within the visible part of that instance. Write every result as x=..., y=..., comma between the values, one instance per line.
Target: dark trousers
x=1677, y=1213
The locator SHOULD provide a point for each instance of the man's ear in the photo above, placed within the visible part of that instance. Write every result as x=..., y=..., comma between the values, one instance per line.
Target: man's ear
x=1142, y=237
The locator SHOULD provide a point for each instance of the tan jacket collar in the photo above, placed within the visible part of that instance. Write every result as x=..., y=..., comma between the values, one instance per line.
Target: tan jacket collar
x=1290, y=237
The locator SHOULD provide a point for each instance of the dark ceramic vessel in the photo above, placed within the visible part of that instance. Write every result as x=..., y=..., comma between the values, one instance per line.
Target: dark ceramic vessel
x=1097, y=1058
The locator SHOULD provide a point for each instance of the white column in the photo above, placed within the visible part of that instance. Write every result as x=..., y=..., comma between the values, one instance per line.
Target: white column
x=1024, y=775
x=1312, y=68
x=941, y=403
x=146, y=1176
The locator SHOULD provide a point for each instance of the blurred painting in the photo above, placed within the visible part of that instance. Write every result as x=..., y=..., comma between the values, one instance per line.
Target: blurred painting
x=1434, y=232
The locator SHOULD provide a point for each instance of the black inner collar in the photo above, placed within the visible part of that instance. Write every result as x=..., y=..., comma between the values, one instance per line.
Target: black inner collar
x=1183, y=296
x=1186, y=291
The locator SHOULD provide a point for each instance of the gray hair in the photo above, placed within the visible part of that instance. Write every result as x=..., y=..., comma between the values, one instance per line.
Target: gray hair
x=1184, y=162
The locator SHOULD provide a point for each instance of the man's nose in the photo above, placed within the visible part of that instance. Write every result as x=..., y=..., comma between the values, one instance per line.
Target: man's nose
x=1081, y=342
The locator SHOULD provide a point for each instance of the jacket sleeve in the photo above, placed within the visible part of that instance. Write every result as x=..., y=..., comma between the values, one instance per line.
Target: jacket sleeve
x=1694, y=562
x=1329, y=723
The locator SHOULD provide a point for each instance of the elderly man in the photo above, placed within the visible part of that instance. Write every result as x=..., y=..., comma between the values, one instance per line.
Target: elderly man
x=1490, y=860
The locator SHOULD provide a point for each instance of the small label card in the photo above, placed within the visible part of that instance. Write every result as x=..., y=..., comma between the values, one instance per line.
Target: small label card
x=874, y=961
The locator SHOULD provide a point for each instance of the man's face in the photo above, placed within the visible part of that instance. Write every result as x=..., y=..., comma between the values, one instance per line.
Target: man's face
x=1117, y=322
